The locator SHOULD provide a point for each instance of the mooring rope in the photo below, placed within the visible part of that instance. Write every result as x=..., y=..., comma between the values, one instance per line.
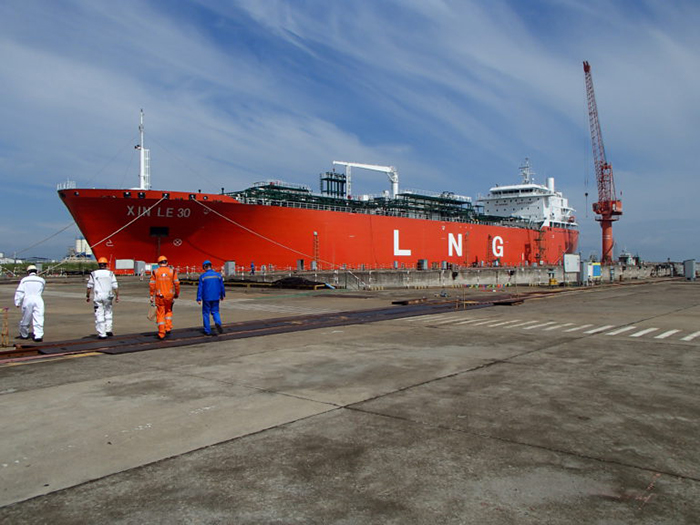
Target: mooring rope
x=132, y=221
x=276, y=243
x=44, y=240
x=145, y=212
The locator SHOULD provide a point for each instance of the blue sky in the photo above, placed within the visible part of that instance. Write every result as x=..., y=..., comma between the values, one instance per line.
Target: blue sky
x=455, y=94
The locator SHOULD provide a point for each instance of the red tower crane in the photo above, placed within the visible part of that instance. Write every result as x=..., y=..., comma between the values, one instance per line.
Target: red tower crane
x=609, y=207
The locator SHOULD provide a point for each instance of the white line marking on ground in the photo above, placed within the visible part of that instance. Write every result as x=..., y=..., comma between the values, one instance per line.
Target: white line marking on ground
x=691, y=336
x=470, y=321
x=621, y=330
x=483, y=322
x=447, y=321
x=449, y=316
x=644, y=332
x=521, y=324
x=539, y=325
x=601, y=329
x=578, y=328
x=503, y=323
x=666, y=334
x=556, y=326
x=418, y=318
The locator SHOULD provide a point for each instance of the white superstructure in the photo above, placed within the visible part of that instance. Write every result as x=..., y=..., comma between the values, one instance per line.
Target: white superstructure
x=531, y=202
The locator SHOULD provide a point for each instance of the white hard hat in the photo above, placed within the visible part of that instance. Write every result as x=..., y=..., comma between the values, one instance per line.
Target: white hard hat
x=31, y=267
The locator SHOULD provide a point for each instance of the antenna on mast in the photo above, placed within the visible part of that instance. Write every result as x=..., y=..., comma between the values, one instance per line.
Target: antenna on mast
x=145, y=161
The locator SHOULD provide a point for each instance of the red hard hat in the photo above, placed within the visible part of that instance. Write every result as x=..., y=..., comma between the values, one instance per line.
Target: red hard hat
x=102, y=260
x=162, y=258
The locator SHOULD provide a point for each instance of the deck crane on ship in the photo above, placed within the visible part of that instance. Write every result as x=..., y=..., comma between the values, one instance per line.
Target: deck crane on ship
x=391, y=172
x=608, y=208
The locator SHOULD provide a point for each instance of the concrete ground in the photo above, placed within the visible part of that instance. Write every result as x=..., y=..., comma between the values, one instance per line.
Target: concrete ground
x=581, y=407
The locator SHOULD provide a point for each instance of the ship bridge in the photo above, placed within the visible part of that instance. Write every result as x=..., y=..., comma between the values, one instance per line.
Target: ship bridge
x=536, y=203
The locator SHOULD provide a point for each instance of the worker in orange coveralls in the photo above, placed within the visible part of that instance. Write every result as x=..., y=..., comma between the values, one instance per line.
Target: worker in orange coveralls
x=165, y=288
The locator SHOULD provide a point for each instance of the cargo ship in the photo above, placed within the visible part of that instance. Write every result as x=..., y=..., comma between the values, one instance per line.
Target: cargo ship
x=275, y=225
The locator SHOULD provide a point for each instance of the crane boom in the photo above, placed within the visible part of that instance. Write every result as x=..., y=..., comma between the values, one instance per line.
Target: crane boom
x=609, y=207
x=391, y=171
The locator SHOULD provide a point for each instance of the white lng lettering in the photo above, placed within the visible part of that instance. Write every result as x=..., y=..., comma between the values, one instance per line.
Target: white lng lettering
x=497, y=246
x=398, y=252
x=454, y=244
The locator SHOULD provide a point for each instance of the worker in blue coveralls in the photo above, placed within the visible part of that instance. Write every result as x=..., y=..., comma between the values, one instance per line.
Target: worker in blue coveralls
x=209, y=292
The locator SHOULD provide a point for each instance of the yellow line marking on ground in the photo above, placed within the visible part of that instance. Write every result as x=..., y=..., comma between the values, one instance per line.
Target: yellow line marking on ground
x=46, y=359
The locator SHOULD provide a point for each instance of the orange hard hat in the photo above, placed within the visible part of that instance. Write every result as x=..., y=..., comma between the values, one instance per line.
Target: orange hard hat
x=102, y=260
x=162, y=258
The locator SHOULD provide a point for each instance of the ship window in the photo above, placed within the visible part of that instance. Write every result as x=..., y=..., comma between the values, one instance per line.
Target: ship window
x=160, y=231
x=166, y=195
x=127, y=194
x=193, y=197
x=142, y=195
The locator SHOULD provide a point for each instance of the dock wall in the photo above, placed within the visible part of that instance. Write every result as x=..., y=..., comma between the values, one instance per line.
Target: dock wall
x=493, y=277
x=496, y=277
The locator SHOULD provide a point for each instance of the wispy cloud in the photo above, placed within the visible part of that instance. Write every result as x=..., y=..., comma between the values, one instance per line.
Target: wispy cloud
x=453, y=93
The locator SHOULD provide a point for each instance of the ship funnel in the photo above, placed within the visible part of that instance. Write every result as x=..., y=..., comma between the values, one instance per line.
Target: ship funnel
x=550, y=183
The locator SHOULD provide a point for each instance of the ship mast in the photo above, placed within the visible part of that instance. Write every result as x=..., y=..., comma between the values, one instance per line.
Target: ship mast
x=145, y=161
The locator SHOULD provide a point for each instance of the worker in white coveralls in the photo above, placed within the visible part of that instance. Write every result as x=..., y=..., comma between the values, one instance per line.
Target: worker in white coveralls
x=105, y=289
x=28, y=297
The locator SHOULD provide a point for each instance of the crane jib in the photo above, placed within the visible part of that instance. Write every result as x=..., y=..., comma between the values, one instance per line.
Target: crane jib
x=608, y=207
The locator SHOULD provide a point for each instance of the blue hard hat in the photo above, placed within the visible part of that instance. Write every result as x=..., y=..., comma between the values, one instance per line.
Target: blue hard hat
x=206, y=263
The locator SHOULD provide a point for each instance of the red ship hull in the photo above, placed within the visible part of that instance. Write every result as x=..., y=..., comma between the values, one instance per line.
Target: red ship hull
x=189, y=228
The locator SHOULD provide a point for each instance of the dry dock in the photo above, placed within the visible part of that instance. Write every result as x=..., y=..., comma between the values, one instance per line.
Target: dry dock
x=574, y=407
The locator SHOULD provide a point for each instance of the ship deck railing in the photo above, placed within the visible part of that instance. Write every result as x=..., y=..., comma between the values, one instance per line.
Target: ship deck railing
x=413, y=206
x=387, y=211
x=381, y=207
